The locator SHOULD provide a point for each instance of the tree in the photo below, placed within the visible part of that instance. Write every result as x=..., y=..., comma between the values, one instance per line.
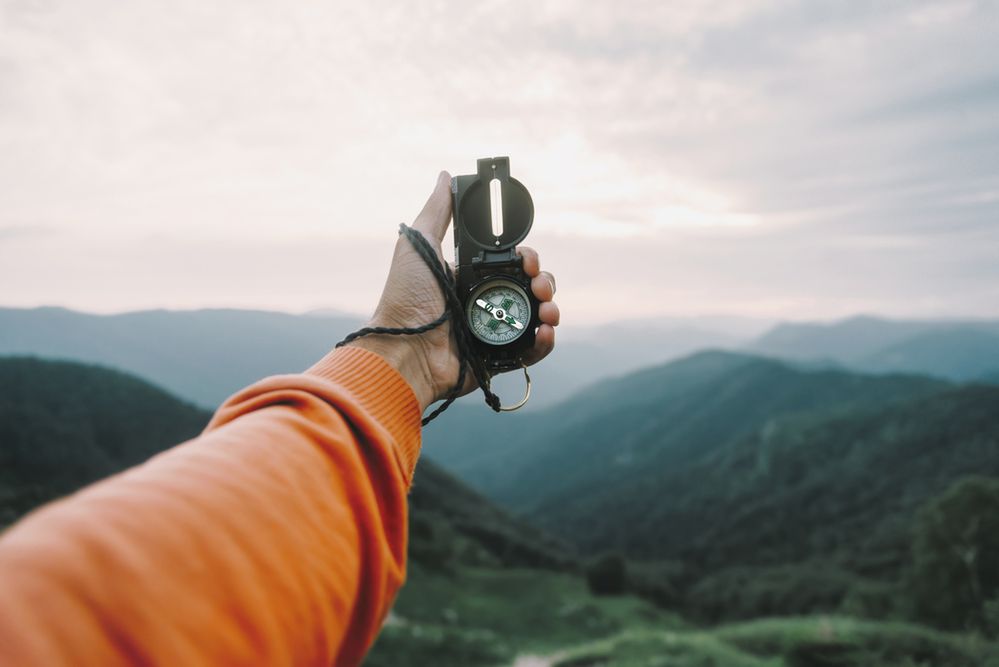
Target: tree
x=608, y=575
x=956, y=555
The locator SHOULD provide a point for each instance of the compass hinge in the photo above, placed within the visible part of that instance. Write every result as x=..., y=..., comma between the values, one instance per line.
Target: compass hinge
x=497, y=260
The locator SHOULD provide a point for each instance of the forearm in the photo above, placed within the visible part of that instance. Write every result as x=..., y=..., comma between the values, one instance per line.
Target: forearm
x=277, y=537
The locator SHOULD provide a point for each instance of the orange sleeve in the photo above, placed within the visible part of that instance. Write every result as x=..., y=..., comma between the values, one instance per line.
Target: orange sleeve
x=277, y=537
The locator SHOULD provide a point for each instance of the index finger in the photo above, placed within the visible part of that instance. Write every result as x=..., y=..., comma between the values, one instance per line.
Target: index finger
x=532, y=263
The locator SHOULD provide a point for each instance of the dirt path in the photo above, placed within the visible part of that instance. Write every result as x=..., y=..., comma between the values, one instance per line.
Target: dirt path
x=531, y=660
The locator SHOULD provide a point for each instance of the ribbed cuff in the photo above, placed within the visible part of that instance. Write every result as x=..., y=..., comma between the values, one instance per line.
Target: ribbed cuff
x=381, y=392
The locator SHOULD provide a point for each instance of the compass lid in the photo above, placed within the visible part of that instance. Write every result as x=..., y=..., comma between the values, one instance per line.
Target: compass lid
x=497, y=210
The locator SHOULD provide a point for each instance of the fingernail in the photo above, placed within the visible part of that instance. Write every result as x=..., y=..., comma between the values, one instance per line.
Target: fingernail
x=552, y=283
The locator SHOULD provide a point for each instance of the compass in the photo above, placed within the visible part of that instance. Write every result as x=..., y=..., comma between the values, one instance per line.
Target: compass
x=493, y=212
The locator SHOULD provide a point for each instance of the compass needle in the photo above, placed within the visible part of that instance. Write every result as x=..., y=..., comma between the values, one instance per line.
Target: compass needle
x=500, y=307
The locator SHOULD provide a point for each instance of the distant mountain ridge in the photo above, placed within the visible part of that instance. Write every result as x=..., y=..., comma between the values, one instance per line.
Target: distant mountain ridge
x=968, y=353
x=205, y=356
x=955, y=350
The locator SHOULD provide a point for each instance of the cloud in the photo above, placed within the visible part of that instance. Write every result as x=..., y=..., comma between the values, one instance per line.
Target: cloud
x=733, y=132
x=20, y=231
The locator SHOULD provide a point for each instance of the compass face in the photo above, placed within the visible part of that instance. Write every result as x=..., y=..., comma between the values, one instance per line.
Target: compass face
x=498, y=312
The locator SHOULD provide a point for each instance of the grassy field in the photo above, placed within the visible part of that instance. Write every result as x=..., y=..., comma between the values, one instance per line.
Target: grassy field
x=488, y=617
x=788, y=642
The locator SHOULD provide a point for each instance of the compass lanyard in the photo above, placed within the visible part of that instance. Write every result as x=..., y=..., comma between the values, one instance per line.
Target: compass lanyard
x=452, y=311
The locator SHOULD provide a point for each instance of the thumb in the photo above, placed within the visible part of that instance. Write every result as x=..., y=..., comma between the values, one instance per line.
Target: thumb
x=435, y=217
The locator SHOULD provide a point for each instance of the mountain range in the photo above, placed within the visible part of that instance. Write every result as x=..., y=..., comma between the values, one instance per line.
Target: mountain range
x=952, y=349
x=734, y=485
x=601, y=439
x=614, y=448
x=746, y=485
x=204, y=356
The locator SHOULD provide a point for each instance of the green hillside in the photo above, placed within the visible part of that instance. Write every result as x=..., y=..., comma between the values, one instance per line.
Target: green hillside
x=485, y=589
x=491, y=450
x=797, y=487
x=482, y=586
x=835, y=487
x=64, y=425
x=819, y=641
x=621, y=441
x=451, y=525
x=746, y=486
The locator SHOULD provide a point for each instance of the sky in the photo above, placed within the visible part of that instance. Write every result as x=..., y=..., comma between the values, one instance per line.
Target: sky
x=767, y=159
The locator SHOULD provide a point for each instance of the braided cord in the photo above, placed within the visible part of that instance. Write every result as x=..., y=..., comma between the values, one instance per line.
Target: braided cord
x=453, y=311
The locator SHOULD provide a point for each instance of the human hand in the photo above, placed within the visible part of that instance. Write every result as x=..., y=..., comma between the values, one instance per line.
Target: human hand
x=412, y=297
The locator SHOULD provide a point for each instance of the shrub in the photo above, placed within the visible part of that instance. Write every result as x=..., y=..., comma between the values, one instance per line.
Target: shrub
x=607, y=575
x=956, y=555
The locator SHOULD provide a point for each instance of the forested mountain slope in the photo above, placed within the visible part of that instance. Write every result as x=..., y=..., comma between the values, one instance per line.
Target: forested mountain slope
x=622, y=441
x=746, y=486
x=64, y=425
x=840, y=488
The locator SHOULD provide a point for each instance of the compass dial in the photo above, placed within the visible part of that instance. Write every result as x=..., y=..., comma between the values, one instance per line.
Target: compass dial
x=499, y=312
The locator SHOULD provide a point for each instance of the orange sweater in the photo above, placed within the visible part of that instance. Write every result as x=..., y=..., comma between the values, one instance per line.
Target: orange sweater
x=277, y=537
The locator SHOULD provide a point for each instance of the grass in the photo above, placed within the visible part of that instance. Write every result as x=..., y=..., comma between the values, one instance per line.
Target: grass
x=479, y=617
x=873, y=642
x=420, y=644
x=488, y=616
x=663, y=649
x=789, y=642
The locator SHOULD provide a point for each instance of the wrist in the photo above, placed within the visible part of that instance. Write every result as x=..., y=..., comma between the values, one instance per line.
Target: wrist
x=406, y=358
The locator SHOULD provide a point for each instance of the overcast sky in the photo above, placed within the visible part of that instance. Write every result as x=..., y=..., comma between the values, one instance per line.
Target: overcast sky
x=775, y=159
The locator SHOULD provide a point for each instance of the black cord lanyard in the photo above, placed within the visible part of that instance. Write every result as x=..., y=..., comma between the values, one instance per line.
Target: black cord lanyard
x=452, y=311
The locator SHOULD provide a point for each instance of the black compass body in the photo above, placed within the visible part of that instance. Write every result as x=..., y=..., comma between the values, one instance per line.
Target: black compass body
x=493, y=212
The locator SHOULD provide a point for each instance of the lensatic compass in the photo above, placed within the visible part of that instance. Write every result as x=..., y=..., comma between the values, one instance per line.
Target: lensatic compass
x=493, y=212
